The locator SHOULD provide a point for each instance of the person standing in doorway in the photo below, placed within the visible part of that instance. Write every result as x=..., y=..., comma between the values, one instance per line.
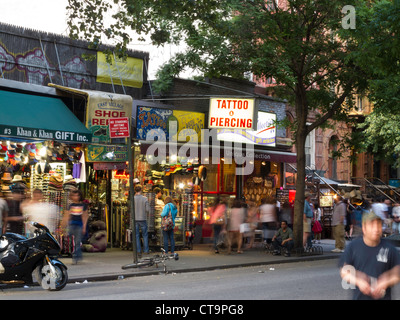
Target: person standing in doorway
x=142, y=208
x=338, y=219
x=170, y=208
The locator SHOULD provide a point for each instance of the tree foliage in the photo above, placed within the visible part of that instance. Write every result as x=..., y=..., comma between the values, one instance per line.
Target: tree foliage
x=301, y=44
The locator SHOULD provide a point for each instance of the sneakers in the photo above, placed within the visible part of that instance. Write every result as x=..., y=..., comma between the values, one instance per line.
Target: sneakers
x=337, y=250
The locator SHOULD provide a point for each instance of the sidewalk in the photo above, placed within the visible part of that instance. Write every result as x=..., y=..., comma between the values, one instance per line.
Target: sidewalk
x=107, y=265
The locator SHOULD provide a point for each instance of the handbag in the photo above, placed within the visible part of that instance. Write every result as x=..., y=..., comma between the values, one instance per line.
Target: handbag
x=166, y=222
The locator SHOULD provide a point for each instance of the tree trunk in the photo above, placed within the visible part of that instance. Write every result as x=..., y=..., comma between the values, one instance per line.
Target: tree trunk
x=301, y=106
x=300, y=190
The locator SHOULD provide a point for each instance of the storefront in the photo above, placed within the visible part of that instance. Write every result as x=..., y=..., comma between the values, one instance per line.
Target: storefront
x=107, y=186
x=197, y=165
x=42, y=144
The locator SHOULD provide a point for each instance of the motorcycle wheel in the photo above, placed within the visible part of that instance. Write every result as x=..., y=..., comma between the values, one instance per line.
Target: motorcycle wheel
x=50, y=282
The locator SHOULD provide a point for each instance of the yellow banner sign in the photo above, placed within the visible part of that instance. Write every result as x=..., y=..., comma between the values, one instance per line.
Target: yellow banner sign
x=130, y=71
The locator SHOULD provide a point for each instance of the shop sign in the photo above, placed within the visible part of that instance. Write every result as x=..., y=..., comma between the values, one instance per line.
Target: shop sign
x=231, y=113
x=265, y=134
x=129, y=71
x=119, y=128
x=326, y=201
x=107, y=153
x=34, y=133
x=101, y=108
x=109, y=166
x=156, y=124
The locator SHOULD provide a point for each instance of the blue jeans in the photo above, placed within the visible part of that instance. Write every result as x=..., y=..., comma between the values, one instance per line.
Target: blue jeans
x=142, y=224
x=169, y=235
x=76, y=231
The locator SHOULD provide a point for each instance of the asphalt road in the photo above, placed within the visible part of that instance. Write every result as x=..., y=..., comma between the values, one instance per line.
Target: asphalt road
x=314, y=280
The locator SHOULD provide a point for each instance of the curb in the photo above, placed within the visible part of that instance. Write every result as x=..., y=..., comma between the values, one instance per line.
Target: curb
x=121, y=276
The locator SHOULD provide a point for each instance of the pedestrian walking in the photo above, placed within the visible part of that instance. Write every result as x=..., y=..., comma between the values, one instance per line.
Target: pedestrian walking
x=142, y=209
x=370, y=264
x=37, y=210
x=168, y=235
x=268, y=219
x=76, y=218
x=217, y=214
x=235, y=220
x=338, y=219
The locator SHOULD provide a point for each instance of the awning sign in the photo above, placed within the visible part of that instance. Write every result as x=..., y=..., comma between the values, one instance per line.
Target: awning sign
x=231, y=113
x=34, y=133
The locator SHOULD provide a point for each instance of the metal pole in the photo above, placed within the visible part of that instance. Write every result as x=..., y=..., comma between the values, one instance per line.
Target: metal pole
x=131, y=160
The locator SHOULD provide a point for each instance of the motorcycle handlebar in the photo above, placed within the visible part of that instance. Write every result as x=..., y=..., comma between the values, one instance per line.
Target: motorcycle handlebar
x=39, y=226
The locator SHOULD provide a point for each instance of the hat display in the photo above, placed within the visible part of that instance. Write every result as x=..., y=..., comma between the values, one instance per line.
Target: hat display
x=6, y=176
x=17, y=178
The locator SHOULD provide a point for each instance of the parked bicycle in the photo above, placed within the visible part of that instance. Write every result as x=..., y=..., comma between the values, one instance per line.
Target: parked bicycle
x=154, y=260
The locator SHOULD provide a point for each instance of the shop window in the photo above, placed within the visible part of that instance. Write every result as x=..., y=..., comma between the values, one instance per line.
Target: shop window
x=210, y=184
x=228, y=177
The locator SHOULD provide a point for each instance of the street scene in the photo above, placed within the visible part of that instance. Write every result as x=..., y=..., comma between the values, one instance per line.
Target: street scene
x=199, y=150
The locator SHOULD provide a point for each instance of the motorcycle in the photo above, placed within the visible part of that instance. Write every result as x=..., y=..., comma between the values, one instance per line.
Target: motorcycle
x=21, y=257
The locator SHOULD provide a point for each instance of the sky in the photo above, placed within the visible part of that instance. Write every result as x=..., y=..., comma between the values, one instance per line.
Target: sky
x=51, y=16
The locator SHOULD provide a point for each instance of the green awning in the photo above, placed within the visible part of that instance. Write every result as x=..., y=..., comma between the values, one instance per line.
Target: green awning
x=38, y=117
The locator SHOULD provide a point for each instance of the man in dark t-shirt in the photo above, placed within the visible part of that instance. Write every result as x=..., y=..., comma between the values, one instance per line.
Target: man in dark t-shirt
x=370, y=265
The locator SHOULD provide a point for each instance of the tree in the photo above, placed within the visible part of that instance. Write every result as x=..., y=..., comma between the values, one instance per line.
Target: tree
x=298, y=43
x=378, y=37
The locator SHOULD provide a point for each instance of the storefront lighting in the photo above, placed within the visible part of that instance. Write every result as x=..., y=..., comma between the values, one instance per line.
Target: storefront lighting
x=174, y=157
x=181, y=185
x=43, y=152
x=263, y=163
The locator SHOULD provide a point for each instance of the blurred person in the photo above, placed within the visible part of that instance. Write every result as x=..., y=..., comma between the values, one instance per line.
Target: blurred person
x=217, y=214
x=396, y=218
x=349, y=222
x=76, y=218
x=36, y=210
x=370, y=265
x=268, y=219
x=3, y=213
x=252, y=220
x=168, y=236
x=142, y=209
x=14, y=218
x=338, y=219
x=318, y=218
x=286, y=213
x=307, y=219
x=283, y=238
x=381, y=210
x=235, y=220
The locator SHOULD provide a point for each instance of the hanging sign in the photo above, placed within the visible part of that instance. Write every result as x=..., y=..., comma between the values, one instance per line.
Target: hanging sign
x=231, y=113
x=119, y=128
